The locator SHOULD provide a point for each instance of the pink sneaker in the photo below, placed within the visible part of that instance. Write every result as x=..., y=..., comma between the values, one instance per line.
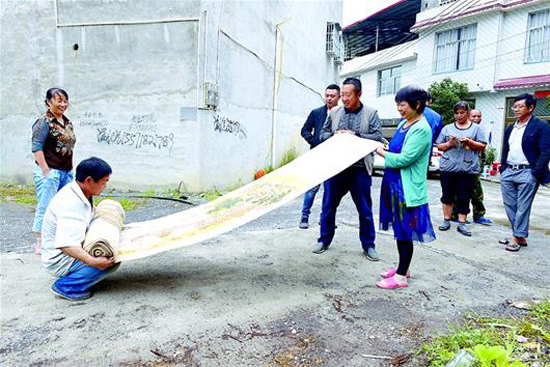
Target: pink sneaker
x=390, y=283
x=391, y=272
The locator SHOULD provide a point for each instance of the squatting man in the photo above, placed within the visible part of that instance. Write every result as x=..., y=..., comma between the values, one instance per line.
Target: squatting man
x=64, y=228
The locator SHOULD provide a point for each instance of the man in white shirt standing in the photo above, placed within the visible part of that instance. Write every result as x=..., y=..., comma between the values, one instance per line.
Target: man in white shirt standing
x=525, y=157
x=64, y=228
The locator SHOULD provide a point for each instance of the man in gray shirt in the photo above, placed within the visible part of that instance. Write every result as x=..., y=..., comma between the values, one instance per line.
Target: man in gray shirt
x=362, y=121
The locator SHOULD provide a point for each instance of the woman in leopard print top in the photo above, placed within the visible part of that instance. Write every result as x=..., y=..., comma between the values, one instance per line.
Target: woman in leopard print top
x=53, y=140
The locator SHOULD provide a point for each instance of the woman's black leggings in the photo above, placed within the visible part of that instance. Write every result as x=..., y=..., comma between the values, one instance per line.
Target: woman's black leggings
x=405, y=249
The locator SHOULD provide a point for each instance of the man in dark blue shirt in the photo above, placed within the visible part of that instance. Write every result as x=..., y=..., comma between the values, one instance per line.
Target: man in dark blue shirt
x=310, y=132
x=434, y=119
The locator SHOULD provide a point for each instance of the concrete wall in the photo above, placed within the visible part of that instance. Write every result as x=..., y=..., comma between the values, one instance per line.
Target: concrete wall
x=135, y=73
x=128, y=75
x=236, y=139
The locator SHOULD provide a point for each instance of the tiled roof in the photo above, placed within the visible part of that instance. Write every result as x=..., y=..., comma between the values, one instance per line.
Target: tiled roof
x=451, y=12
x=523, y=82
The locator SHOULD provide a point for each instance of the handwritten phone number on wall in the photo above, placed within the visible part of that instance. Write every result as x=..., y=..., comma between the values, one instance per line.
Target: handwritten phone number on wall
x=135, y=139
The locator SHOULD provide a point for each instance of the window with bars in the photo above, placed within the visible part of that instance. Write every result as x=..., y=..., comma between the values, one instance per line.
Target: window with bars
x=455, y=49
x=389, y=81
x=538, y=37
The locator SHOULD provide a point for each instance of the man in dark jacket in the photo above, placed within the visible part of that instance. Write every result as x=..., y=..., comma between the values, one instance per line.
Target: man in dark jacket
x=310, y=132
x=525, y=157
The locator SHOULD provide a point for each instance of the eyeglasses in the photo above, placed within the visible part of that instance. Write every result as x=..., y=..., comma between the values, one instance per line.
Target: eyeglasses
x=518, y=107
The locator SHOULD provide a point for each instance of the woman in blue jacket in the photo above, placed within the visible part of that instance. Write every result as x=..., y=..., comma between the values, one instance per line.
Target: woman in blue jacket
x=404, y=193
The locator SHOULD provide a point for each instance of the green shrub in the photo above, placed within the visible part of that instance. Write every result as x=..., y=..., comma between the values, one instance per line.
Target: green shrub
x=446, y=94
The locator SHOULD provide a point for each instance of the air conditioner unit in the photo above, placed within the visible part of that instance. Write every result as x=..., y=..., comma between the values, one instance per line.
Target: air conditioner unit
x=335, y=42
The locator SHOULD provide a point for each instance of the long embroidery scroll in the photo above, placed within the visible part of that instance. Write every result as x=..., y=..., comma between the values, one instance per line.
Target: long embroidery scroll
x=245, y=204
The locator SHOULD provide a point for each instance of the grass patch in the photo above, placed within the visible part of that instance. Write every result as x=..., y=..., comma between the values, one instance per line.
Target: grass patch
x=26, y=200
x=496, y=341
x=127, y=204
x=17, y=193
x=175, y=194
x=216, y=193
x=290, y=155
x=149, y=192
x=211, y=195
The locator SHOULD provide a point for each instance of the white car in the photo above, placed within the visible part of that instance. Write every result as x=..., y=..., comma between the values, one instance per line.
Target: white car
x=432, y=168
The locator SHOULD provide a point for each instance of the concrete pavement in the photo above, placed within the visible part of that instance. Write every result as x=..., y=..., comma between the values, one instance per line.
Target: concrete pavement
x=258, y=296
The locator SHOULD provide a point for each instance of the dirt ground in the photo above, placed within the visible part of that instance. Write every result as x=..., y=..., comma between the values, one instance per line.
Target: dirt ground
x=259, y=296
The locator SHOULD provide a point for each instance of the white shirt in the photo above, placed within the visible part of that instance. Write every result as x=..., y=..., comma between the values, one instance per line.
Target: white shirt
x=515, y=155
x=65, y=224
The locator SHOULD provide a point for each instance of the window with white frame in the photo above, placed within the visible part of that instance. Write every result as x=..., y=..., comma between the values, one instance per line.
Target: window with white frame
x=538, y=37
x=389, y=81
x=455, y=49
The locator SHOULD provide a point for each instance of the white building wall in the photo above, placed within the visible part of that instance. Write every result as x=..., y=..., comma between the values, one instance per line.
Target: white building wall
x=136, y=83
x=500, y=54
x=385, y=104
x=482, y=76
x=492, y=109
x=514, y=42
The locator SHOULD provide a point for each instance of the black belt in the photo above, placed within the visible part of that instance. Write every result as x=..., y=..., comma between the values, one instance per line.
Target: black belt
x=519, y=166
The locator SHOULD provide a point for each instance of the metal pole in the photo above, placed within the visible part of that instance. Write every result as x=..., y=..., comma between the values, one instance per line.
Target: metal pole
x=377, y=34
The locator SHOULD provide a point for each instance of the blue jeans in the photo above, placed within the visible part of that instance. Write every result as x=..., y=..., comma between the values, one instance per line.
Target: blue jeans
x=356, y=181
x=81, y=277
x=46, y=188
x=309, y=196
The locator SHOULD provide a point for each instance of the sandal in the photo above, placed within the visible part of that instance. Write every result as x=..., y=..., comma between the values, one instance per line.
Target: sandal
x=513, y=247
x=391, y=272
x=390, y=283
x=504, y=241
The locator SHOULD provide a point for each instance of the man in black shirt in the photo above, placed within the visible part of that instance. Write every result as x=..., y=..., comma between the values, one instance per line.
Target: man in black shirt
x=310, y=132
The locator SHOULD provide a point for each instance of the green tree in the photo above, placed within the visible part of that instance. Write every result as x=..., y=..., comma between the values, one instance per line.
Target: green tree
x=445, y=95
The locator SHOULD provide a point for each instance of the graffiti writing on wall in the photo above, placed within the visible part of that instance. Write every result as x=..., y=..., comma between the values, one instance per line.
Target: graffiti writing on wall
x=144, y=123
x=133, y=139
x=225, y=125
x=94, y=119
